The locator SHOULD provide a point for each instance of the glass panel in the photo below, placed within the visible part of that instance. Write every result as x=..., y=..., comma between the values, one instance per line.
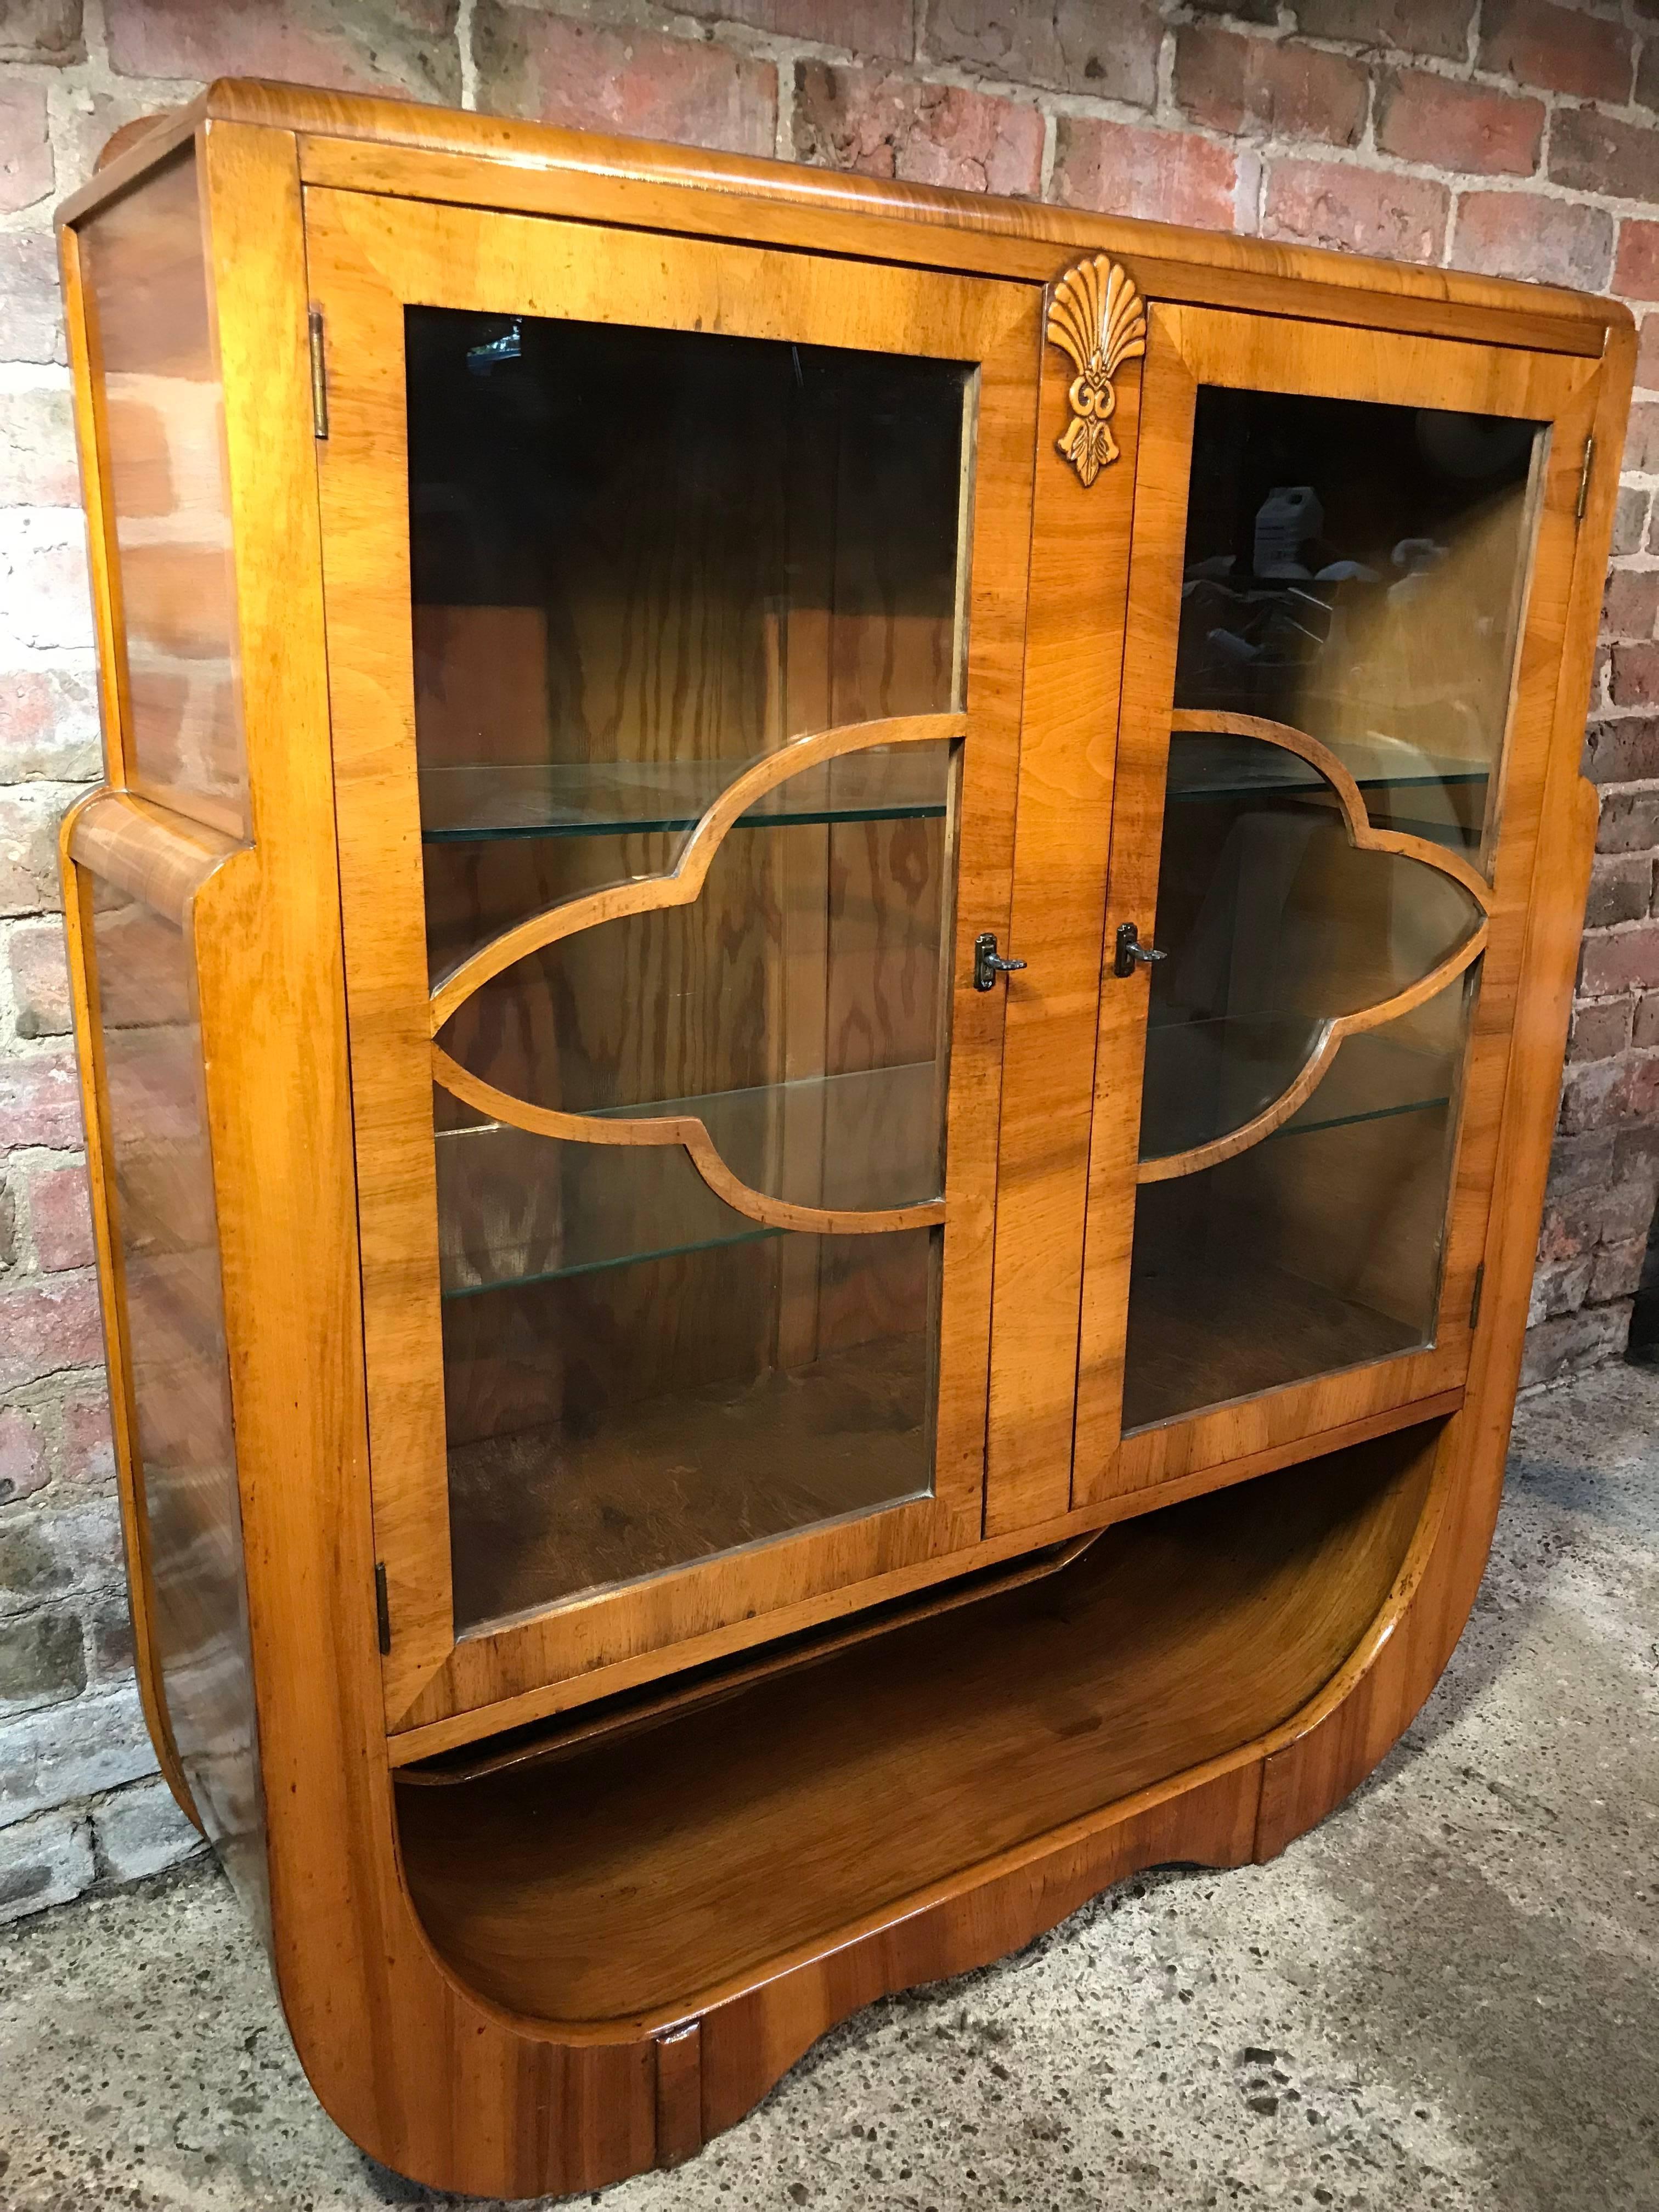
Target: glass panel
x=1319, y=1248
x=1272, y=922
x=163, y=456
x=643, y=560
x=1359, y=571
x=167, y=1250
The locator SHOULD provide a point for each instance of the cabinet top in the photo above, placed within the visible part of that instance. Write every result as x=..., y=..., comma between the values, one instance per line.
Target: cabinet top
x=361, y=141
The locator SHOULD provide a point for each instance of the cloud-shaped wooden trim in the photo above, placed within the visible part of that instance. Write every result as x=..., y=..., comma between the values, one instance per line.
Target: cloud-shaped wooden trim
x=1363, y=838
x=679, y=887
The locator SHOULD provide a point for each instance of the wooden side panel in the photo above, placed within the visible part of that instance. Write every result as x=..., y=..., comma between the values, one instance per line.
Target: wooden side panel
x=1315, y=1761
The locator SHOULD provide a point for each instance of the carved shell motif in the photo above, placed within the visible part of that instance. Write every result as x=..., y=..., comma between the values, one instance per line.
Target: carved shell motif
x=1099, y=318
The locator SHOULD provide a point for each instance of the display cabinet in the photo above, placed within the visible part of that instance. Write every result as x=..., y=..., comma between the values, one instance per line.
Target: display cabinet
x=820, y=990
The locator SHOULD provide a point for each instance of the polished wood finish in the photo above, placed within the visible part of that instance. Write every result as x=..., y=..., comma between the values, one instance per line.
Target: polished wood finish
x=496, y=2001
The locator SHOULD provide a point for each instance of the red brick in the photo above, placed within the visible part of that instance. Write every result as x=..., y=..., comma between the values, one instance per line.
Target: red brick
x=1618, y=1270
x=1523, y=234
x=1620, y=889
x=28, y=851
x=87, y=1451
x=40, y=978
x=1631, y=514
x=395, y=45
x=26, y=170
x=1446, y=126
x=1602, y=1032
x=60, y=1223
x=1647, y=354
x=1641, y=455
x=1647, y=73
x=1559, y=1287
x=1561, y=49
x=80, y=136
x=48, y=725
x=882, y=27
x=1610, y=1091
x=1630, y=604
x=1440, y=27
x=47, y=1323
x=1636, y=271
x=1574, y=1343
x=37, y=450
x=40, y=1103
x=41, y=31
x=1362, y=211
x=31, y=306
x=925, y=134
x=22, y=1461
x=1644, y=1030
x=1597, y=153
x=1064, y=45
x=1630, y=821
x=1620, y=960
x=43, y=582
x=636, y=82
x=1635, y=676
x=1171, y=176
x=1625, y=751
x=1268, y=87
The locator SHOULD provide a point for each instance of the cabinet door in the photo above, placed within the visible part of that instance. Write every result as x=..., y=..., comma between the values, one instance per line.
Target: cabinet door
x=675, y=594
x=1348, y=581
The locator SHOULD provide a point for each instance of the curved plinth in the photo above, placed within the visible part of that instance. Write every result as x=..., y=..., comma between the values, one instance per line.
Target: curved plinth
x=658, y=1925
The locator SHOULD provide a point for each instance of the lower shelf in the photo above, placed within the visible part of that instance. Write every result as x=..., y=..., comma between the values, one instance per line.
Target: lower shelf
x=543, y=1514
x=1198, y=1338
x=643, y=1875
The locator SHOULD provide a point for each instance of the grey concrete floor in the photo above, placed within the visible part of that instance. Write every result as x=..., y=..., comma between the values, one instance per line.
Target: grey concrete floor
x=1445, y=1998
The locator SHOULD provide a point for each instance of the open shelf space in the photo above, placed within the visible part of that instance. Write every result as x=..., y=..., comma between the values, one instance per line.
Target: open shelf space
x=638, y=1875
x=520, y=1208
x=602, y=798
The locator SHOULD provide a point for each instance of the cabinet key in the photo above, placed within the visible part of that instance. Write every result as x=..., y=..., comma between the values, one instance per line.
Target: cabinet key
x=1131, y=952
x=988, y=965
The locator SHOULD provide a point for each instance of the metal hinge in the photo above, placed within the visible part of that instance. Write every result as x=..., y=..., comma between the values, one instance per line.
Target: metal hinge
x=382, y=1606
x=1474, y=1294
x=1583, y=480
x=319, y=375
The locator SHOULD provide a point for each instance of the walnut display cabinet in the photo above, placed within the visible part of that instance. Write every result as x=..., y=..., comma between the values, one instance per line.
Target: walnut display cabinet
x=820, y=989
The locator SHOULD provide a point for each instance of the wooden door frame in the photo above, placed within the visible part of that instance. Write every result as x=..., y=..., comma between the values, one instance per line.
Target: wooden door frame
x=368, y=258
x=1190, y=346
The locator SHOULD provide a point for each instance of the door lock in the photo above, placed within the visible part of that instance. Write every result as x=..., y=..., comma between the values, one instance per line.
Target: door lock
x=988, y=966
x=1131, y=952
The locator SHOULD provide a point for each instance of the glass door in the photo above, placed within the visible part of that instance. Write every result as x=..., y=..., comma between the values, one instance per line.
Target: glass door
x=697, y=779
x=1327, y=786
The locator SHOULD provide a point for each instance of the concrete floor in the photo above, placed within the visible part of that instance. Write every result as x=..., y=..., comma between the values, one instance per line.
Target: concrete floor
x=1448, y=1996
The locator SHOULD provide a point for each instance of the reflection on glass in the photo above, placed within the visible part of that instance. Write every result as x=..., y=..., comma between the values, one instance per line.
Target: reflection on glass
x=1270, y=923
x=643, y=560
x=172, y=1308
x=161, y=432
x=1359, y=574
x=1317, y=1249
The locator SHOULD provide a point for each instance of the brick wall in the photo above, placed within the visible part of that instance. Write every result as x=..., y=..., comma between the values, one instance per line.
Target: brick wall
x=1512, y=136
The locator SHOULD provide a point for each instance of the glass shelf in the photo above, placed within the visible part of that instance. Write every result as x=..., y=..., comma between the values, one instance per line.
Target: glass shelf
x=517, y=1208
x=1373, y=1078
x=604, y=799
x=1203, y=768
